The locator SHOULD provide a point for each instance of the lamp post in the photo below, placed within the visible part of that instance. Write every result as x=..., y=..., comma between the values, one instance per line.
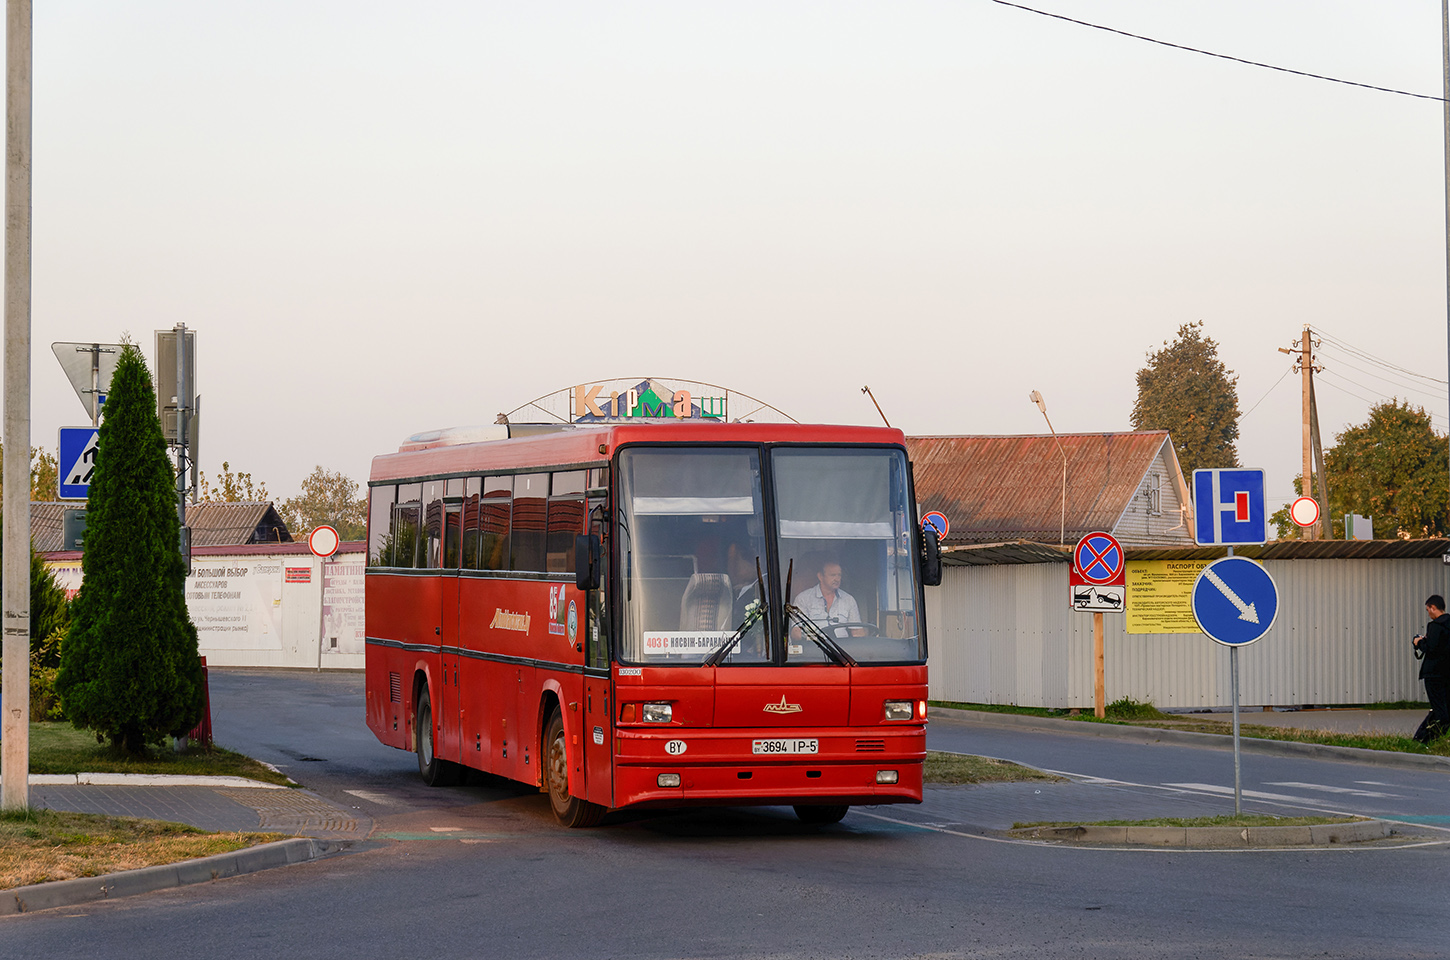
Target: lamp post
x=1036, y=398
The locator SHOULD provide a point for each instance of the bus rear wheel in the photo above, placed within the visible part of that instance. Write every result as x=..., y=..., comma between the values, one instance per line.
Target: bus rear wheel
x=568, y=810
x=435, y=772
x=820, y=813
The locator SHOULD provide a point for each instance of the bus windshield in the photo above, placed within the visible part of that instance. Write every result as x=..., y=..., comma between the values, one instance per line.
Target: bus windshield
x=705, y=577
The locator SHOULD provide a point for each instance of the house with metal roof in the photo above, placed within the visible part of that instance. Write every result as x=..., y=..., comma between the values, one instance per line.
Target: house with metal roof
x=212, y=524
x=1001, y=490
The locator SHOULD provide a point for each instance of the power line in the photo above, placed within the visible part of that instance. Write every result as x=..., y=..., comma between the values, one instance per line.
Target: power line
x=1288, y=371
x=1221, y=56
x=1366, y=355
x=1415, y=387
x=1382, y=397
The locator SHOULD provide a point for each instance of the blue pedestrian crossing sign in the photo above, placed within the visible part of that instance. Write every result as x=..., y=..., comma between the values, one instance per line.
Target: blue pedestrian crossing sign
x=1235, y=601
x=1229, y=507
x=76, y=460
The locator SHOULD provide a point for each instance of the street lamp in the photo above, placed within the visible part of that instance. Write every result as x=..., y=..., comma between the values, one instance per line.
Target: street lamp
x=1036, y=397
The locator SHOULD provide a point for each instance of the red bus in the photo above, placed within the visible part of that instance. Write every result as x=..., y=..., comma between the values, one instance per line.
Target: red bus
x=654, y=615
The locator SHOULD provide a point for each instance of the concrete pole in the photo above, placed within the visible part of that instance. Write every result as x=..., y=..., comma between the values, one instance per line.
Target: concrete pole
x=15, y=723
x=1306, y=489
x=1445, y=63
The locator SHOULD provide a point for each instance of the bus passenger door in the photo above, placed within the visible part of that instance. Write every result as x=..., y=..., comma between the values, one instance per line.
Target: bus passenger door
x=597, y=735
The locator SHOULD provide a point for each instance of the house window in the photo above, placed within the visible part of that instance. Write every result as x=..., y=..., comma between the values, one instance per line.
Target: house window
x=1154, y=495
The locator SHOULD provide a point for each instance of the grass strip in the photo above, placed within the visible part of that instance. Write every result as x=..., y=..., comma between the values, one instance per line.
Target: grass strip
x=1196, y=723
x=61, y=748
x=38, y=846
x=965, y=768
x=1243, y=820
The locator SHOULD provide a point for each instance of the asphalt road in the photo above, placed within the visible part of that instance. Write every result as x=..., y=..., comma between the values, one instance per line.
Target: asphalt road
x=482, y=870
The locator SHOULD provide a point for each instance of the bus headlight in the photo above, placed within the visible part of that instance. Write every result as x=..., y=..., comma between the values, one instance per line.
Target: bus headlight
x=886, y=776
x=899, y=709
x=668, y=780
x=657, y=712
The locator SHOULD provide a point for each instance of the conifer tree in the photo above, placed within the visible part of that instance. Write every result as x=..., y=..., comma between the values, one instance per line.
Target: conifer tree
x=129, y=668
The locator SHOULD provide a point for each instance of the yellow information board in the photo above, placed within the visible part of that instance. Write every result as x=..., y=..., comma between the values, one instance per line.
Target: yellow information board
x=1160, y=595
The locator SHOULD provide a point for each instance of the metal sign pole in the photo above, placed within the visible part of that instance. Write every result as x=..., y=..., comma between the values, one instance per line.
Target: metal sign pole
x=1233, y=662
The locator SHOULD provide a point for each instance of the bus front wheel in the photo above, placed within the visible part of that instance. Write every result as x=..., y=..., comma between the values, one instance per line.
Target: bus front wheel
x=821, y=814
x=435, y=772
x=568, y=810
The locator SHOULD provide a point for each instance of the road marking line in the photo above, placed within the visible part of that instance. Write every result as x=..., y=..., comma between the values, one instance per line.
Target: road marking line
x=1324, y=788
x=372, y=796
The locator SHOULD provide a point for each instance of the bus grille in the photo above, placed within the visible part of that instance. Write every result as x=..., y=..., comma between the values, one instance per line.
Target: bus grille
x=870, y=746
x=395, y=687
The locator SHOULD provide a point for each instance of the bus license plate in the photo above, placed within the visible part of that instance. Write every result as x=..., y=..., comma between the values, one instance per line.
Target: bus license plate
x=784, y=746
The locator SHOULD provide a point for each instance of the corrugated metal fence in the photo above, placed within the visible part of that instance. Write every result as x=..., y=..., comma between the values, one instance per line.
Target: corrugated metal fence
x=1004, y=634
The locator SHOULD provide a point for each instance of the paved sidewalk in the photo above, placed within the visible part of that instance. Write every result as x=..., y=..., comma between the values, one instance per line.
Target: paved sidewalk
x=294, y=812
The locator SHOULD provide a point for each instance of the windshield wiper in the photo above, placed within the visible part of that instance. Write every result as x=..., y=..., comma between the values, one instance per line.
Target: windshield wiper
x=752, y=616
x=822, y=639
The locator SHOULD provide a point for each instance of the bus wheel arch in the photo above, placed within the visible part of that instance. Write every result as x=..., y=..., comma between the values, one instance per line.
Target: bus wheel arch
x=436, y=772
x=568, y=809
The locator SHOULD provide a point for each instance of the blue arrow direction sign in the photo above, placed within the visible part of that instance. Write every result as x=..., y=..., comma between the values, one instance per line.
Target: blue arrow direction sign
x=1235, y=601
x=76, y=453
x=1228, y=507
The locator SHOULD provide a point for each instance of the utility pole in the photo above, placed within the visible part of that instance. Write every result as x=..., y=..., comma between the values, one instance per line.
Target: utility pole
x=15, y=557
x=1309, y=427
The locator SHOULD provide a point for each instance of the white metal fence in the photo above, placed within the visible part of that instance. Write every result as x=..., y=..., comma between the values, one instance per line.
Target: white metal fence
x=1004, y=634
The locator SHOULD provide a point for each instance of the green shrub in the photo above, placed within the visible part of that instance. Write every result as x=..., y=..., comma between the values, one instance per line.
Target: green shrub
x=1129, y=709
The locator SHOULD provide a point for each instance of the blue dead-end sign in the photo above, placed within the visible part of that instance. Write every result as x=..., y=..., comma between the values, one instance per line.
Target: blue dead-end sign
x=1235, y=601
x=1229, y=507
x=76, y=460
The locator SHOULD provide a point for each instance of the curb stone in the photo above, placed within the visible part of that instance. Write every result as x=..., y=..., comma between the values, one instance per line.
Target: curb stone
x=1241, y=838
x=1212, y=741
x=62, y=893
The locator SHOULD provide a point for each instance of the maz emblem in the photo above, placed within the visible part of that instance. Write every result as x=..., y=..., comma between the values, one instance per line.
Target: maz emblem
x=782, y=707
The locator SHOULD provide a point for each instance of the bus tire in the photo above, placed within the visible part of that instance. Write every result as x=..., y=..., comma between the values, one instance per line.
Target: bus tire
x=435, y=772
x=569, y=810
x=820, y=813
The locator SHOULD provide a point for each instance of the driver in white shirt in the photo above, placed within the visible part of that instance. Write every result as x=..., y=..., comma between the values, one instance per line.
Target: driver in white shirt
x=826, y=603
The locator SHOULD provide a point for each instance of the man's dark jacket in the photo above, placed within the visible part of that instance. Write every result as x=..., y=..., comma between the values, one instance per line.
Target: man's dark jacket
x=1436, y=665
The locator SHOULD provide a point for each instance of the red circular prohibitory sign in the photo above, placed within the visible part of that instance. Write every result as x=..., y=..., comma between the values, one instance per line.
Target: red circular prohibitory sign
x=1098, y=559
x=1304, y=511
x=323, y=541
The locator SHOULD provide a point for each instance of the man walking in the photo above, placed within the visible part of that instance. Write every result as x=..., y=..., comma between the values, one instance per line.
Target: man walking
x=1434, y=645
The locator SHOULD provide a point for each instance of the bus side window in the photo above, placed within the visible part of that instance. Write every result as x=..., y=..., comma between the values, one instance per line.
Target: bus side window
x=452, y=522
x=530, y=528
x=433, y=522
x=472, y=523
x=496, y=523
x=380, y=518
x=404, y=529
x=566, y=519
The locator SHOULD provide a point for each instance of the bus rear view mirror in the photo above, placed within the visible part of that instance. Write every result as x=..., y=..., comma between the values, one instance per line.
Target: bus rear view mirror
x=930, y=558
x=586, y=561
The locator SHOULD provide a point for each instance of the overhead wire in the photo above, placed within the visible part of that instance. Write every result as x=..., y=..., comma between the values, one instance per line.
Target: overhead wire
x=1414, y=387
x=1366, y=355
x=1220, y=56
x=1287, y=371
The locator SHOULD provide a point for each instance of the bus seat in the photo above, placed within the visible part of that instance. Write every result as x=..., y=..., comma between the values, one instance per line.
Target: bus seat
x=707, y=603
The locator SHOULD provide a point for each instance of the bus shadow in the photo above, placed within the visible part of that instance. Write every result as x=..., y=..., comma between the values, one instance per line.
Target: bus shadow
x=727, y=823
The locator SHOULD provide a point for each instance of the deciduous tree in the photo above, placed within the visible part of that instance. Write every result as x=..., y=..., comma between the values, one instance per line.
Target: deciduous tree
x=129, y=667
x=1393, y=468
x=1186, y=390
x=233, y=487
x=327, y=497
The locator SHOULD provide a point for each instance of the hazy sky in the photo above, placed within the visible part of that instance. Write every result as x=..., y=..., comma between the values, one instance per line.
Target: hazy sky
x=382, y=218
